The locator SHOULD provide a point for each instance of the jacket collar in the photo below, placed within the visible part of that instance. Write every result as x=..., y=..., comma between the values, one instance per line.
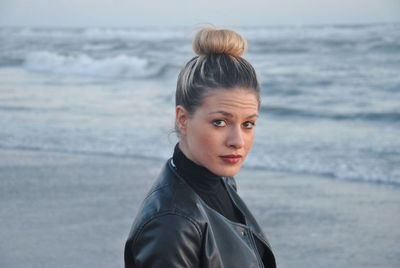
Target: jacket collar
x=171, y=176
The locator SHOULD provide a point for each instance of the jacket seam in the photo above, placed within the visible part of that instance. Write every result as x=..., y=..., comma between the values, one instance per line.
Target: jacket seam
x=157, y=189
x=256, y=252
x=158, y=215
x=262, y=239
x=161, y=187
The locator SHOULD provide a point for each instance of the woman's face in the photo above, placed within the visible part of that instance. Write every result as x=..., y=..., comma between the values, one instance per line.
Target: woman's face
x=220, y=133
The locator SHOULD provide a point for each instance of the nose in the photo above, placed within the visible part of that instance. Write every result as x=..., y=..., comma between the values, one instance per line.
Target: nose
x=235, y=137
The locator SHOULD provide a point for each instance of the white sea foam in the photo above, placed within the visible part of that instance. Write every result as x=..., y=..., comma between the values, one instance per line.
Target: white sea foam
x=114, y=67
x=133, y=33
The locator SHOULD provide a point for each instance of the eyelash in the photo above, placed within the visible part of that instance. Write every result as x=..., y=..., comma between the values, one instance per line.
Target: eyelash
x=215, y=123
x=252, y=124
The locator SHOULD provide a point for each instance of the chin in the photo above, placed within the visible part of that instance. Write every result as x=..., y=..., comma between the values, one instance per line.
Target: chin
x=227, y=171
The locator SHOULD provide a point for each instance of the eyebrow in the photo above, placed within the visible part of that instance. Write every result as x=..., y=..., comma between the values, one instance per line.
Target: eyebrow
x=231, y=115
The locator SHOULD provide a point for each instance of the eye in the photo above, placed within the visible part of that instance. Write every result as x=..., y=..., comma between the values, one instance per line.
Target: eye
x=219, y=123
x=249, y=124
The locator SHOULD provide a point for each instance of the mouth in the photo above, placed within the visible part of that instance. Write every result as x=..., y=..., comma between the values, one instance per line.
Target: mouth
x=231, y=158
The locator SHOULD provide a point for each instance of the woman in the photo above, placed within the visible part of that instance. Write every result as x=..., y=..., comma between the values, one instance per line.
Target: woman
x=193, y=216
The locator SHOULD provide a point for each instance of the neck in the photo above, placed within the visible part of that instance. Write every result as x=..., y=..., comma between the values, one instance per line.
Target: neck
x=183, y=147
x=197, y=176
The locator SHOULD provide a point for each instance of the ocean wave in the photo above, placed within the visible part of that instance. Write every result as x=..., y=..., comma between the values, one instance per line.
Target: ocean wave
x=311, y=45
x=120, y=66
x=390, y=46
x=134, y=33
x=346, y=173
x=98, y=33
x=365, y=116
x=7, y=61
x=16, y=108
x=278, y=49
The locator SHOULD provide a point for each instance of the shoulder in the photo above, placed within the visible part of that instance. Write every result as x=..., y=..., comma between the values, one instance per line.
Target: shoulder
x=168, y=224
x=170, y=193
x=169, y=221
x=167, y=239
x=169, y=199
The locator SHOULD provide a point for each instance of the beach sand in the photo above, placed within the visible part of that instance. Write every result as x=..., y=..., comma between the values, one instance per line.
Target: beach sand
x=74, y=210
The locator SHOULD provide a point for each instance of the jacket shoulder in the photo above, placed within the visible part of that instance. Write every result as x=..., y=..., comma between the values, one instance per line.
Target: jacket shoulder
x=168, y=222
x=168, y=195
x=167, y=239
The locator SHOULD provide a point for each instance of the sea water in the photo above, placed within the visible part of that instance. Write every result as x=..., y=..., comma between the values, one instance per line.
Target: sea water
x=330, y=94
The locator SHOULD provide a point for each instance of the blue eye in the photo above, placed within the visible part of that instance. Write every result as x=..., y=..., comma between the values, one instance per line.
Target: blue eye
x=219, y=123
x=249, y=125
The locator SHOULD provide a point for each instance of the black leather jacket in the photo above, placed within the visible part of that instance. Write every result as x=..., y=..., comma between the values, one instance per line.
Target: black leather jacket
x=176, y=228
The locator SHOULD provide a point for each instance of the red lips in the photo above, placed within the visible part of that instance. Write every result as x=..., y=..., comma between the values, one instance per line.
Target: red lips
x=231, y=158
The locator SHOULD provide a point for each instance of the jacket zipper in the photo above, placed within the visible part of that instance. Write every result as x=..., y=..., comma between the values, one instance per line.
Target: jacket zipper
x=226, y=185
x=253, y=244
x=248, y=231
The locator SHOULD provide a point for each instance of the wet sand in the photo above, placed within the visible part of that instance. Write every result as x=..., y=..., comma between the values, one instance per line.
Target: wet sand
x=70, y=210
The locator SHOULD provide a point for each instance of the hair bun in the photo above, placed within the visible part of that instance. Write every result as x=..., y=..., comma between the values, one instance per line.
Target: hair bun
x=210, y=40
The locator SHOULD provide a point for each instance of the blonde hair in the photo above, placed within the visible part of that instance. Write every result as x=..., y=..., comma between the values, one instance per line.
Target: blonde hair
x=218, y=65
x=210, y=40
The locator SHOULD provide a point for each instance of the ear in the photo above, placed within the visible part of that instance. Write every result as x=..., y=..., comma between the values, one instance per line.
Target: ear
x=181, y=118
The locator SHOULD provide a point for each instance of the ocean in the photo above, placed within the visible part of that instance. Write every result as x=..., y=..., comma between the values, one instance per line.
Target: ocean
x=330, y=95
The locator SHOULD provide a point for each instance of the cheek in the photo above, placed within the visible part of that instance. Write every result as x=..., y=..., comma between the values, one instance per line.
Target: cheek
x=208, y=140
x=249, y=140
x=198, y=135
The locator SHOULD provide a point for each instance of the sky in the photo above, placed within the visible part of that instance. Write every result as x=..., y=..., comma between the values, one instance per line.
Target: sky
x=116, y=13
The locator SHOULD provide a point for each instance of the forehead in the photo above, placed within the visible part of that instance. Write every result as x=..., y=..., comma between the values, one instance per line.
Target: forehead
x=236, y=100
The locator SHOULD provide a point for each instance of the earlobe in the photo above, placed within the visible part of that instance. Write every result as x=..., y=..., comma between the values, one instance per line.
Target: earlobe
x=181, y=116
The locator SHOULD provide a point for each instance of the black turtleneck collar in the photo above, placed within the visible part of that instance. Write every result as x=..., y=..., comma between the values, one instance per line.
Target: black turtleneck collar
x=197, y=176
